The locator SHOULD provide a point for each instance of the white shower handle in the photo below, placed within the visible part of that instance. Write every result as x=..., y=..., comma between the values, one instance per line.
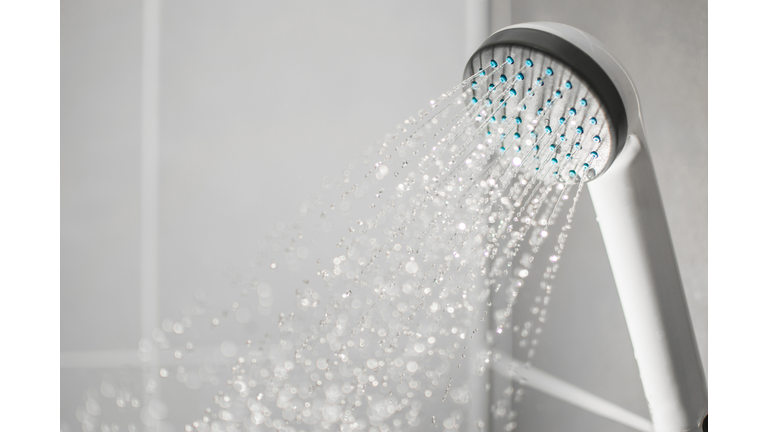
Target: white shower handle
x=631, y=217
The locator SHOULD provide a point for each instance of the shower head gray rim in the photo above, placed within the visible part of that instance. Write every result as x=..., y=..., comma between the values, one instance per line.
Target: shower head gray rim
x=599, y=70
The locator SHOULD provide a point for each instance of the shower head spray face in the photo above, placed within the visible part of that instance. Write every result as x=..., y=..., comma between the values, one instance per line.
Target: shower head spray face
x=556, y=95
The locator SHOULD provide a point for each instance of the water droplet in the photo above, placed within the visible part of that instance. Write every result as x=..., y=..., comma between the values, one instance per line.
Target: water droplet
x=449, y=423
x=157, y=409
x=411, y=267
x=229, y=348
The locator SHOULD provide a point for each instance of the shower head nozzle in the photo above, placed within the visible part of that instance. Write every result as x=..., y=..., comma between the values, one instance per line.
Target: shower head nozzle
x=561, y=81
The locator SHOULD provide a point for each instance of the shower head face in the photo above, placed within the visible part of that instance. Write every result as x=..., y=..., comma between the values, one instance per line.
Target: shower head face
x=551, y=101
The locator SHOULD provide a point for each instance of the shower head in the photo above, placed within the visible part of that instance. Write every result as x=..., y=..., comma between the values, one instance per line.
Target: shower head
x=565, y=88
x=563, y=82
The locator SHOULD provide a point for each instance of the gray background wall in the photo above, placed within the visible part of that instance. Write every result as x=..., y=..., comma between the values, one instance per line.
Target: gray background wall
x=254, y=109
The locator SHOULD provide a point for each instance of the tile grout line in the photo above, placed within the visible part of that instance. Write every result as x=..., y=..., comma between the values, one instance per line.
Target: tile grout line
x=150, y=65
x=507, y=366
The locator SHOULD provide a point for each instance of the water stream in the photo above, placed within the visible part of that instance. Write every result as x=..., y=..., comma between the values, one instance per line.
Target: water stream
x=386, y=305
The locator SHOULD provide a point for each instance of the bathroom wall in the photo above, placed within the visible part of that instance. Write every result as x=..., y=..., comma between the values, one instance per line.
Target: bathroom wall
x=256, y=102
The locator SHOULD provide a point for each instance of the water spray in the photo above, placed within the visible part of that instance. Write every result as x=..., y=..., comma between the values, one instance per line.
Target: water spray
x=380, y=308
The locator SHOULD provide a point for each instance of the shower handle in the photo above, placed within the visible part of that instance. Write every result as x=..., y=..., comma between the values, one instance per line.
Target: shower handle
x=634, y=228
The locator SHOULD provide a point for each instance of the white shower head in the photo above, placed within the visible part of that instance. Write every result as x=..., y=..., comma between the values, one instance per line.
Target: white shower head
x=570, y=82
x=571, y=91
